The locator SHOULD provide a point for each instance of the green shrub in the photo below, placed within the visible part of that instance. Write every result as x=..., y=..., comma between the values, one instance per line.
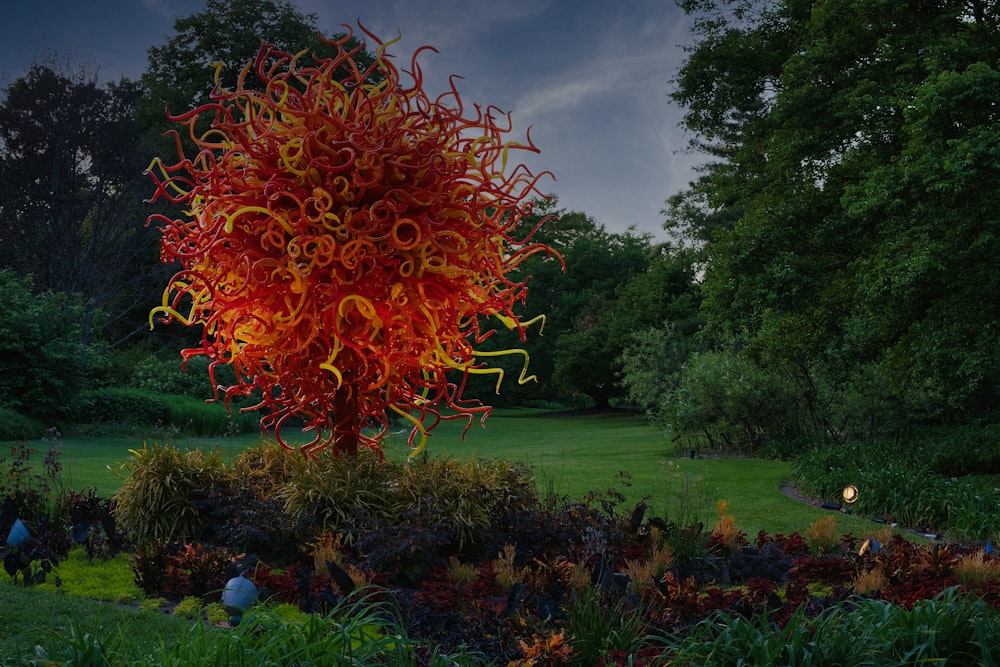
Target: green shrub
x=15, y=426
x=335, y=490
x=266, y=466
x=195, y=417
x=170, y=375
x=735, y=403
x=124, y=405
x=154, y=503
x=145, y=410
x=44, y=363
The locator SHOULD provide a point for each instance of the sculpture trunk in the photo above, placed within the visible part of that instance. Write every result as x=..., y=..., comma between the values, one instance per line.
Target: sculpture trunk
x=345, y=426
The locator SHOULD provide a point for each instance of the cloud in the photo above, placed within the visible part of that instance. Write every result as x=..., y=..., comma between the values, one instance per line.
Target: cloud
x=159, y=7
x=552, y=98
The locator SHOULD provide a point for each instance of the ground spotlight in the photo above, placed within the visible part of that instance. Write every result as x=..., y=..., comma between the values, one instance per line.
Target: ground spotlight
x=850, y=494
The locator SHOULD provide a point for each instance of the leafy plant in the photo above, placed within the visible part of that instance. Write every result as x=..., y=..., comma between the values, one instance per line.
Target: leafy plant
x=188, y=607
x=29, y=492
x=599, y=621
x=202, y=566
x=950, y=629
x=363, y=629
x=154, y=503
x=148, y=564
x=334, y=490
x=79, y=648
x=109, y=580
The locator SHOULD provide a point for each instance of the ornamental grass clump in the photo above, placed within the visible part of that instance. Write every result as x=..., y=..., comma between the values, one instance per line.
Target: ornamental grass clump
x=870, y=582
x=726, y=535
x=822, y=536
x=976, y=568
x=271, y=499
x=334, y=491
x=155, y=500
x=505, y=570
x=643, y=573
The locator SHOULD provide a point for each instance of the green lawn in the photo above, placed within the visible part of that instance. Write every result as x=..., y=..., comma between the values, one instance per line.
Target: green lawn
x=53, y=617
x=570, y=455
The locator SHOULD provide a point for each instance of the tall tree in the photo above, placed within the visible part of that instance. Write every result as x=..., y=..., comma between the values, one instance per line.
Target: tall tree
x=71, y=189
x=228, y=33
x=850, y=212
x=610, y=286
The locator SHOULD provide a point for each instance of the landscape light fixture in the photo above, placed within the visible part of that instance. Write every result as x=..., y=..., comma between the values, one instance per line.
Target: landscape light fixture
x=871, y=545
x=850, y=494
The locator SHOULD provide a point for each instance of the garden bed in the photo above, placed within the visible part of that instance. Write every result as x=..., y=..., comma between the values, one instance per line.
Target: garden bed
x=464, y=558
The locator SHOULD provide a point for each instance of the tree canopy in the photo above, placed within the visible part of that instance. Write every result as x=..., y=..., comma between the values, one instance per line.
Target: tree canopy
x=608, y=287
x=71, y=189
x=849, y=214
x=182, y=72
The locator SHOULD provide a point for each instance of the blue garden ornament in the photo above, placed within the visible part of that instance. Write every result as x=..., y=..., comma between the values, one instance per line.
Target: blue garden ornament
x=19, y=534
x=238, y=595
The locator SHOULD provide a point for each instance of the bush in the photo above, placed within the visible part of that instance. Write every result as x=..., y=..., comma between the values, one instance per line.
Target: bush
x=963, y=450
x=270, y=493
x=154, y=503
x=123, y=405
x=337, y=492
x=171, y=376
x=146, y=410
x=735, y=403
x=44, y=363
x=195, y=417
x=15, y=426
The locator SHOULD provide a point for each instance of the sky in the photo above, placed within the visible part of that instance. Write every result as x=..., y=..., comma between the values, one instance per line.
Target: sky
x=590, y=77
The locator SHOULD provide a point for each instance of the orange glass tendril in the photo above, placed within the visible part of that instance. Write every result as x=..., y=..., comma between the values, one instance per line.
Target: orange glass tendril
x=344, y=239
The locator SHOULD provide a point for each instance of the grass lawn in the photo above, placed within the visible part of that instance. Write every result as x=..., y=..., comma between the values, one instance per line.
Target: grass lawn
x=30, y=618
x=570, y=454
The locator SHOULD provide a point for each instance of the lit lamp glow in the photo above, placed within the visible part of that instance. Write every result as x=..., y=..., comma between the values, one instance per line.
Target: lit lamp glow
x=850, y=494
